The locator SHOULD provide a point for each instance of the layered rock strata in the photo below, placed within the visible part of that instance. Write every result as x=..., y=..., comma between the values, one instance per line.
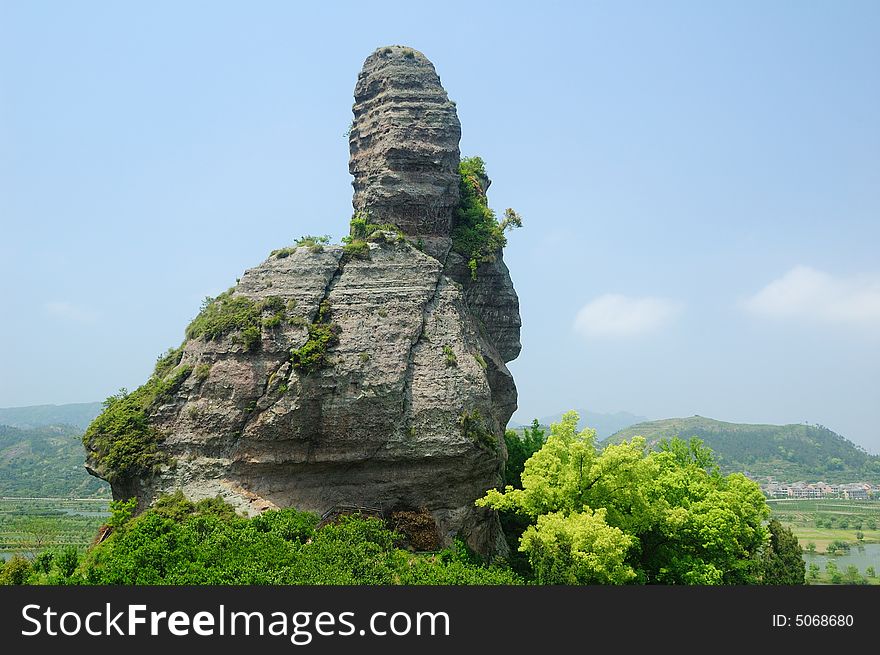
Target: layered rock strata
x=408, y=408
x=404, y=146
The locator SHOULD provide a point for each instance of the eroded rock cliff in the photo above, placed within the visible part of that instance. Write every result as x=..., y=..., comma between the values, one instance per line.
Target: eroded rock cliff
x=329, y=378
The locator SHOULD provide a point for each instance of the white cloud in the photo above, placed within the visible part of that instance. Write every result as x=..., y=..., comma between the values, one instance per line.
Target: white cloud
x=808, y=294
x=69, y=312
x=614, y=315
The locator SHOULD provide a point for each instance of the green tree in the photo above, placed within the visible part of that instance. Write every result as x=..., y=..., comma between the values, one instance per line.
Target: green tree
x=16, y=571
x=578, y=549
x=814, y=571
x=852, y=575
x=519, y=449
x=685, y=523
x=782, y=562
x=870, y=572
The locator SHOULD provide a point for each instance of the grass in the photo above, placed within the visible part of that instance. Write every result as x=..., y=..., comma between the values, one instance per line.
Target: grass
x=801, y=517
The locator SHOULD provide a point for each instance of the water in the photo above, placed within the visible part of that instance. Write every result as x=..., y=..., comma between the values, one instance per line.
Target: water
x=859, y=556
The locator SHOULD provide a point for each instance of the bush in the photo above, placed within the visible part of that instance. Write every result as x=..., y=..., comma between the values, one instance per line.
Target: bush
x=121, y=441
x=225, y=314
x=180, y=542
x=477, y=234
x=356, y=249
x=16, y=571
x=451, y=359
x=361, y=227
x=323, y=335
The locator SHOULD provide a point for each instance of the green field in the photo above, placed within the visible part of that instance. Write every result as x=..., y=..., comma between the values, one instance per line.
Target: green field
x=809, y=520
x=31, y=525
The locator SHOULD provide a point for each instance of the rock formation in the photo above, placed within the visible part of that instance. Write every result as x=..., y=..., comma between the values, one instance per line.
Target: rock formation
x=404, y=146
x=328, y=379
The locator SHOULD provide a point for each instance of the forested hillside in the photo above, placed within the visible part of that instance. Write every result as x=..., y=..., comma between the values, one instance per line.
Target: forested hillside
x=787, y=452
x=78, y=415
x=45, y=461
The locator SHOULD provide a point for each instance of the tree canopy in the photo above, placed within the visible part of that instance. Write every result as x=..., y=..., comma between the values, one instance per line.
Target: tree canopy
x=627, y=514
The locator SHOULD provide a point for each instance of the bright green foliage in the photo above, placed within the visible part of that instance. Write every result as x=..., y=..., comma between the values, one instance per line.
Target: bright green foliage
x=121, y=512
x=58, y=564
x=580, y=548
x=121, y=441
x=782, y=561
x=362, y=231
x=477, y=234
x=224, y=314
x=356, y=249
x=687, y=523
x=16, y=571
x=323, y=335
x=180, y=542
x=852, y=575
x=519, y=449
x=481, y=361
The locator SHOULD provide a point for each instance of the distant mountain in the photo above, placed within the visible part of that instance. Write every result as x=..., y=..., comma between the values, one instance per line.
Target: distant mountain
x=787, y=452
x=603, y=424
x=46, y=461
x=79, y=415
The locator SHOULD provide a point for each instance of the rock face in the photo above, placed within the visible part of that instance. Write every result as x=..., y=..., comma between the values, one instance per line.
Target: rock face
x=408, y=411
x=404, y=145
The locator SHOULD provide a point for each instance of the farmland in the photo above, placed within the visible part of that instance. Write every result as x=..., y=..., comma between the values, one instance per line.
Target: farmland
x=30, y=525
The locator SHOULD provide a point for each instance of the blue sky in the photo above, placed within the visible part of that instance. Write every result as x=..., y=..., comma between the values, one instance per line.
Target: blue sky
x=700, y=185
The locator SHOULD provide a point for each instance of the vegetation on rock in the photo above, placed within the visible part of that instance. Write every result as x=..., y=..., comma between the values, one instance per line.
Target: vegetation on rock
x=362, y=231
x=121, y=441
x=225, y=314
x=313, y=243
x=477, y=234
x=474, y=428
x=323, y=335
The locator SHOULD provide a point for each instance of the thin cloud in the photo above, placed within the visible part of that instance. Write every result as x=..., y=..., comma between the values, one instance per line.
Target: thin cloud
x=69, y=312
x=805, y=293
x=615, y=315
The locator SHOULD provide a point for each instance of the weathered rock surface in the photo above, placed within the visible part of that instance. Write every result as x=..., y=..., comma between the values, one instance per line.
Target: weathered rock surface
x=404, y=144
x=410, y=411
